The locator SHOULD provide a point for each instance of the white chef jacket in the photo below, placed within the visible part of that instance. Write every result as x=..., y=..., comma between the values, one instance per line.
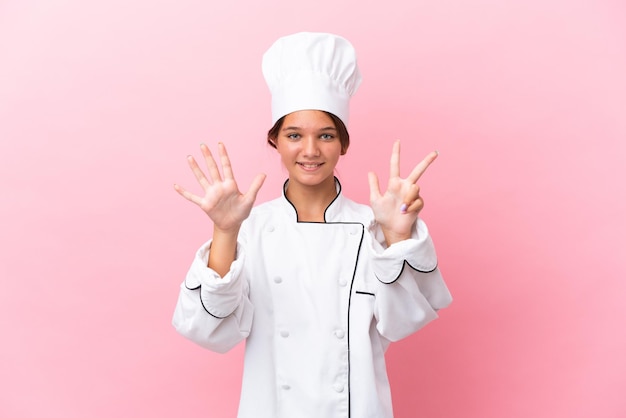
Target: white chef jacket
x=318, y=304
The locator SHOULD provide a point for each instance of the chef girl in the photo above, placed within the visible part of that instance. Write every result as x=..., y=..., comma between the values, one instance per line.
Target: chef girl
x=316, y=284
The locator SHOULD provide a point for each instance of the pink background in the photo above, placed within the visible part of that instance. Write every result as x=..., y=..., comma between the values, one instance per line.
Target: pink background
x=100, y=102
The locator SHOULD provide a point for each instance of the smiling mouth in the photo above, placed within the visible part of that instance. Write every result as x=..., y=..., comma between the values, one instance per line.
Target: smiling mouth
x=310, y=166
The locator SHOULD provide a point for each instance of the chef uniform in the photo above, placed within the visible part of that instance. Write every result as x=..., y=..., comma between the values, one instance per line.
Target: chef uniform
x=317, y=302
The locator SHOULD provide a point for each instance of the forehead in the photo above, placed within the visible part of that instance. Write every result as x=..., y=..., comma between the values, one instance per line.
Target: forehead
x=308, y=119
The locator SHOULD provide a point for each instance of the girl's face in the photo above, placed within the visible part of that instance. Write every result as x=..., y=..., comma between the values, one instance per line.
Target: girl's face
x=309, y=148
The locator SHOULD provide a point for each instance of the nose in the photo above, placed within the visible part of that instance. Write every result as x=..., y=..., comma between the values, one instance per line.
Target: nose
x=310, y=147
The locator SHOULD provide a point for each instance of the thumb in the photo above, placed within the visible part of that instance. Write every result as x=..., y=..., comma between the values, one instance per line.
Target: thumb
x=255, y=186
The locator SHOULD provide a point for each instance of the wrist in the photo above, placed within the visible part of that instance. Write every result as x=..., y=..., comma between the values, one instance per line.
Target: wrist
x=231, y=232
x=393, y=237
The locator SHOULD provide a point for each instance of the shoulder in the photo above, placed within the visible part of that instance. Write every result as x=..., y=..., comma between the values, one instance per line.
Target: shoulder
x=354, y=211
x=264, y=213
x=267, y=207
x=355, y=206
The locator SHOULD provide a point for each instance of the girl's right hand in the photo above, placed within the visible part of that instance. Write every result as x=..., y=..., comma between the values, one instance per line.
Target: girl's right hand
x=222, y=201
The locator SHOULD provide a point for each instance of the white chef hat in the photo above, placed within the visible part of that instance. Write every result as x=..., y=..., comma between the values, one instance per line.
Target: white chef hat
x=316, y=71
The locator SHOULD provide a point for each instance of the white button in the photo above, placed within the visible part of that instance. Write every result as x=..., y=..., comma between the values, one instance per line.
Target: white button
x=339, y=333
x=342, y=282
x=270, y=228
x=286, y=387
x=338, y=387
x=353, y=232
x=284, y=334
x=277, y=280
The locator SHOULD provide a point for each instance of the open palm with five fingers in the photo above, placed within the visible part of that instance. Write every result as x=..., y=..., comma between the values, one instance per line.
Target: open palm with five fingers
x=222, y=201
x=396, y=209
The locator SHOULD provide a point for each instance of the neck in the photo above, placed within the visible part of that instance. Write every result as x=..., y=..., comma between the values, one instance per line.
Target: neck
x=311, y=202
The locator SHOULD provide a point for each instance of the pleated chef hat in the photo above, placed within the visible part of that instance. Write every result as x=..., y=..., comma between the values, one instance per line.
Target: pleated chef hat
x=311, y=71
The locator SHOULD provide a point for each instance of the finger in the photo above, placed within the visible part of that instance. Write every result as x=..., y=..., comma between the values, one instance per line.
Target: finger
x=422, y=166
x=226, y=167
x=416, y=206
x=187, y=195
x=374, y=187
x=255, y=186
x=411, y=195
x=214, y=172
x=394, y=164
x=204, y=182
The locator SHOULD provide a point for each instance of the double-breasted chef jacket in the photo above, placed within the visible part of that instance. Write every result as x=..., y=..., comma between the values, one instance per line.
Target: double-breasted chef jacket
x=318, y=304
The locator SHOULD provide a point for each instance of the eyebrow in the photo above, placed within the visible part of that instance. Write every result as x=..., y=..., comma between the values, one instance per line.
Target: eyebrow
x=295, y=128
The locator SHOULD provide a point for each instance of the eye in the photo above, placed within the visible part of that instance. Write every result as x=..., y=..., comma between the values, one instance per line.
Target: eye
x=327, y=137
x=293, y=136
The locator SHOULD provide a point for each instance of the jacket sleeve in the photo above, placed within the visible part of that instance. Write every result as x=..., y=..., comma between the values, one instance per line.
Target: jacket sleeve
x=409, y=289
x=212, y=311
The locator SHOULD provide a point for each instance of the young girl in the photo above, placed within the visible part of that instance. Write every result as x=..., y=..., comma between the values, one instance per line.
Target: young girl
x=316, y=284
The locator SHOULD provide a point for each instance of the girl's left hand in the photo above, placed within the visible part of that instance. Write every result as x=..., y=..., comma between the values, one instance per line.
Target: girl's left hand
x=396, y=210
